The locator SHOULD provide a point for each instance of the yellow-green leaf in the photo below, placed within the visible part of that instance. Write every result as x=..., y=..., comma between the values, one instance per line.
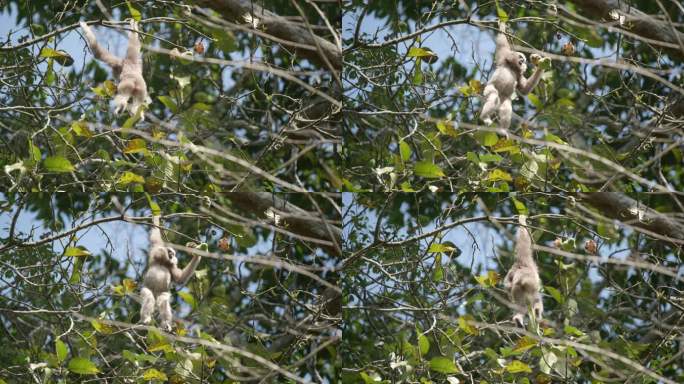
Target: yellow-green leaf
x=153, y=374
x=153, y=205
x=535, y=100
x=555, y=293
x=80, y=128
x=130, y=177
x=464, y=324
x=60, y=56
x=447, y=128
x=499, y=175
x=404, y=150
x=57, y=164
x=61, y=350
x=109, y=87
x=440, y=248
x=525, y=343
x=428, y=170
x=423, y=344
x=517, y=366
x=135, y=14
x=443, y=365
x=135, y=146
x=76, y=252
x=103, y=328
x=169, y=103
x=188, y=298
x=82, y=366
x=419, y=52
x=570, y=330
x=503, y=16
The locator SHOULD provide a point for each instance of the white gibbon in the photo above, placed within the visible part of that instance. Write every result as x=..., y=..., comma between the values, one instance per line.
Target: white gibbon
x=162, y=268
x=127, y=70
x=508, y=76
x=522, y=280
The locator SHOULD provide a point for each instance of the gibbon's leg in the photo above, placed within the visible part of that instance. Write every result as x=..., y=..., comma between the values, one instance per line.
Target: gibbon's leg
x=123, y=92
x=538, y=306
x=505, y=113
x=147, y=307
x=164, y=307
x=518, y=298
x=491, y=103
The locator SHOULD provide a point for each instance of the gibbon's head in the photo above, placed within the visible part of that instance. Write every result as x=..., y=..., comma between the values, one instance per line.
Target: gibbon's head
x=164, y=255
x=522, y=62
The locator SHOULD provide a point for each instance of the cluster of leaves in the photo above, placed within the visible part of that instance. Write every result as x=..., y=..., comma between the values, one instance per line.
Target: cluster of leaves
x=433, y=309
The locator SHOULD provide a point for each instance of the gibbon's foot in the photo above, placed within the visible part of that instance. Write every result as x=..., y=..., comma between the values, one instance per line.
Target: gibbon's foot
x=166, y=327
x=146, y=320
x=504, y=133
x=518, y=320
x=487, y=121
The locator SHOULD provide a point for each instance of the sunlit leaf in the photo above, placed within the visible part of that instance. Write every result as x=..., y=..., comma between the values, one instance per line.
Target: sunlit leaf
x=82, y=366
x=443, y=365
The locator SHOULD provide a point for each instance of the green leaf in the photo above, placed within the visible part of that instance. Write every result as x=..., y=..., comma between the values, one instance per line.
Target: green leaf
x=503, y=16
x=60, y=56
x=404, y=150
x=553, y=138
x=490, y=158
x=547, y=361
x=130, y=177
x=447, y=128
x=440, y=248
x=520, y=207
x=82, y=366
x=156, y=211
x=525, y=343
x=153, y=374
x=80, y=128
x=517, y=366
x=61, y=350
x=428, y=170
x=419, y=52
x=535, y=101
x=486, y=138
x=135, y=14
x=570, y=330
x=443, y=365
x=136, y=146
x=529, y=169
x=188, y=298
x=76, y=252
x=499, y=175
x=57, y=164
x=34, y=155
x=463, y=323
x=417, y=75
x=423, y=344
x=555, y=293
x=169, y=103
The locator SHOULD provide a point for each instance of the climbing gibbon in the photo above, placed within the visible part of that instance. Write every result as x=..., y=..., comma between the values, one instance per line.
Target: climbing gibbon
x=162, y=269
x=508, y=76
x=522, y=280
x=127, y=70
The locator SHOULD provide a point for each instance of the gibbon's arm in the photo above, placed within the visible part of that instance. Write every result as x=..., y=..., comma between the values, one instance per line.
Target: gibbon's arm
x=502, y=46
x=523, y=244
x=181, y=276
x=155, y=233
x=525, y=86
x=98, y=51
x=133, y=51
